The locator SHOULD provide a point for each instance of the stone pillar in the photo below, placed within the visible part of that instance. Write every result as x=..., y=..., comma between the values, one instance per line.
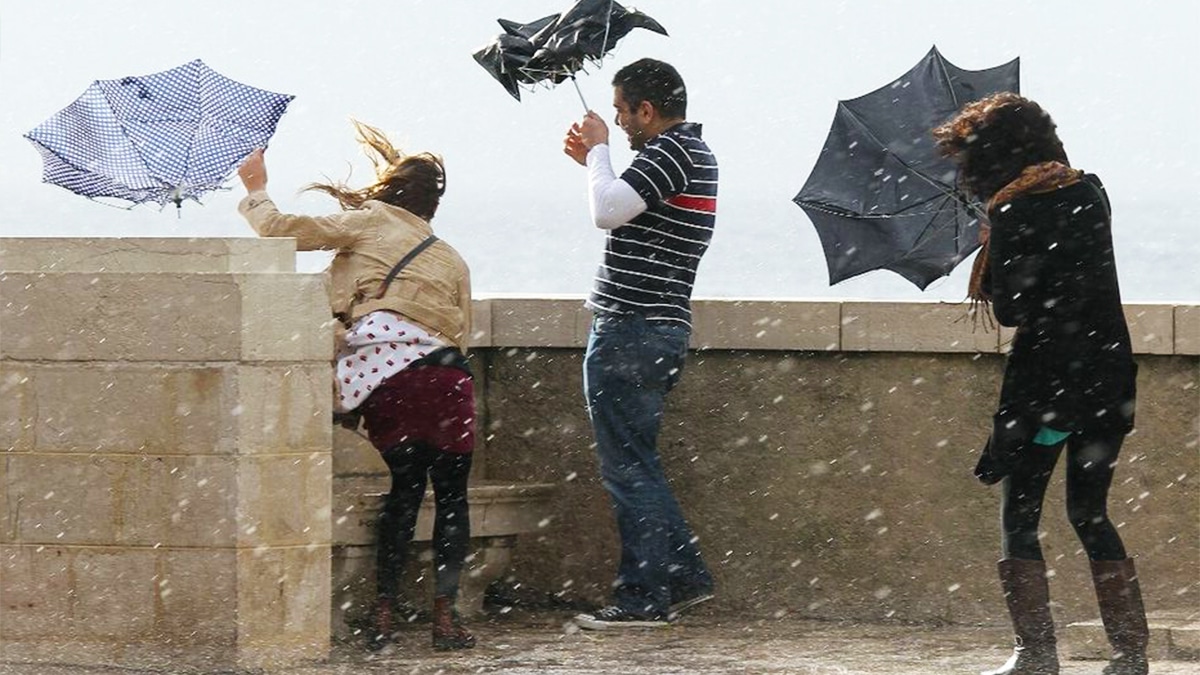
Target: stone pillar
x=165, y=467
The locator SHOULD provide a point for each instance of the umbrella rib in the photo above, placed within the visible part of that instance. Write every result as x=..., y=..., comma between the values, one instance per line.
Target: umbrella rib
x=937, y=184
x=136, y=149
x=941, y=64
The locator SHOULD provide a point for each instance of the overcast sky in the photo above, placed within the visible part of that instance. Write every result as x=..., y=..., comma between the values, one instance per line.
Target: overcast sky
x=763, y=77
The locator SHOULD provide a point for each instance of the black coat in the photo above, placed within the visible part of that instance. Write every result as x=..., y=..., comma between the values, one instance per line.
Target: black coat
x=1054, y=278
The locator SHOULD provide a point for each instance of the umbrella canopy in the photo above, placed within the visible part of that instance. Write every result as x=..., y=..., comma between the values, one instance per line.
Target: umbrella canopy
x=158, y=138
x=880, y=195
x=555, y=47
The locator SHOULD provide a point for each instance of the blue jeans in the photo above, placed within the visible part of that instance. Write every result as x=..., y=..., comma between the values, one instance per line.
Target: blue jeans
x=631, y=364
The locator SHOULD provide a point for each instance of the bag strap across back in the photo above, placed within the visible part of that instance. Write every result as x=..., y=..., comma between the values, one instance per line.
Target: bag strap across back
x=426, y=243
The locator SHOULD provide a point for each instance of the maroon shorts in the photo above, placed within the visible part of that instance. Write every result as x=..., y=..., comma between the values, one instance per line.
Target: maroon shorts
x=434, y=405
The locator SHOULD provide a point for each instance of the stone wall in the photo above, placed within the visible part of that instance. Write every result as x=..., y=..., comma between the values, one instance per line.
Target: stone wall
x=823, y=453
x=166, y=469
x=165, y=482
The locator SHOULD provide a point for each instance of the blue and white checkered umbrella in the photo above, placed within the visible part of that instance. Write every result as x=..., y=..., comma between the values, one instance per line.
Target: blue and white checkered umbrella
x=161, y=138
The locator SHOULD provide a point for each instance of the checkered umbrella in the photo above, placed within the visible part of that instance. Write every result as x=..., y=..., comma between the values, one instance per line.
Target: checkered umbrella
x=161, y=138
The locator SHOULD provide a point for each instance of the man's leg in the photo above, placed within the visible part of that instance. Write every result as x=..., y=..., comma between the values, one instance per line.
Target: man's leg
x=629, y=368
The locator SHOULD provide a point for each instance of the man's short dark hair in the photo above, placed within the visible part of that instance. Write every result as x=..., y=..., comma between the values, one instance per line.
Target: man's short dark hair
x=656, y=82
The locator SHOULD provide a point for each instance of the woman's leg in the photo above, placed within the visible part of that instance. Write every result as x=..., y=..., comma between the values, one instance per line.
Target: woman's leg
x=408, y=465
x=1091, y=461
x=1090, y=464
x=1021, y=496
x=452, y=520
x=1022, y=570
x=451, y=540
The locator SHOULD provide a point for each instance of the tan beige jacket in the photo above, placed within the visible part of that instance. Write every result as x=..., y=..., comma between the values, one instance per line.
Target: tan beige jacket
x=433, y=291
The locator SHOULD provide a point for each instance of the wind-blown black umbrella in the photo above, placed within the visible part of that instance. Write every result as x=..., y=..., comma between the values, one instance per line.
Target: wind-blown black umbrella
x=555, y=47
x=880, y=195
x=161, y=138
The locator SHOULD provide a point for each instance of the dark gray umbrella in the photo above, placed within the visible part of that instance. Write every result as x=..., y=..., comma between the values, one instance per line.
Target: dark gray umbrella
x=555, y=47
x=880, y=195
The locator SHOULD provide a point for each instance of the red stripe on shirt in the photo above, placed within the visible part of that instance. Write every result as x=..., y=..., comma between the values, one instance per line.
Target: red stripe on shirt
x=706, y=204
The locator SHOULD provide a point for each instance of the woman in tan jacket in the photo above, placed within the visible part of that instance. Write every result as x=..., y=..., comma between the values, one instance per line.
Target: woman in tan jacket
x=404, y=299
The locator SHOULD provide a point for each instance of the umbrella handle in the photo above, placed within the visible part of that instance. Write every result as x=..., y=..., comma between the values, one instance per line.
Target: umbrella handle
x=578, y=91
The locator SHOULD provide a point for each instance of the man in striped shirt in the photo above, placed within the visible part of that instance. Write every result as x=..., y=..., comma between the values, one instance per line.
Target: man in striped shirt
x=659, y=215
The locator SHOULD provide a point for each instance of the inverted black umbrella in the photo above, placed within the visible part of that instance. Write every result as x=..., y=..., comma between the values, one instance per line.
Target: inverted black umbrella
x=160, y=138
x=556, y=47
x=880, y=195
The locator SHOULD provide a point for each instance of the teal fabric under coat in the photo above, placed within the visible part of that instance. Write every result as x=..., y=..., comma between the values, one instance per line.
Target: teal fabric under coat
x=1048, y=436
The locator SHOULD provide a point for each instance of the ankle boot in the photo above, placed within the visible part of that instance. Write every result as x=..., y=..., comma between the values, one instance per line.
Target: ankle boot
x=381, y=625
x=1027, y=594
x=448, y=633
x=1123, y=614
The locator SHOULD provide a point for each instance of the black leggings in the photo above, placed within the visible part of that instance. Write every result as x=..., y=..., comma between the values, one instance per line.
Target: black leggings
x=409, y=465
x=1090, y=463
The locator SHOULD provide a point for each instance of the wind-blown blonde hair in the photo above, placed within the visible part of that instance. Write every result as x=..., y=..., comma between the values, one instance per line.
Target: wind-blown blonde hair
x=415, y=183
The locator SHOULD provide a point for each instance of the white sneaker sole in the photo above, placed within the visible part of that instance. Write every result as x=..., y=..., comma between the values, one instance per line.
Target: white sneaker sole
x=589, y=622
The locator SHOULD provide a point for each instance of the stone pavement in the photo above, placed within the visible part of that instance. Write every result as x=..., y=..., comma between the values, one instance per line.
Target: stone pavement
x=545, y=643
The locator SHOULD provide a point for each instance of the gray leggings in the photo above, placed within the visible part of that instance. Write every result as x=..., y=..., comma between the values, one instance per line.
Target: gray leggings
x=1090, y=463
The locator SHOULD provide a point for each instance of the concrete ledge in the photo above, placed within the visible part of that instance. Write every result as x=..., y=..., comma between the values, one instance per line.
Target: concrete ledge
x=1151, y=328
x=766, y=324
x=539, y=322
x=913, y=327
x=1187, y=329
x=803, y=325
x=129, y=254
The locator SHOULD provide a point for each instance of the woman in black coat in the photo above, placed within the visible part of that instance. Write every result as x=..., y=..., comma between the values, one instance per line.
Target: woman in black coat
x=1047, y=269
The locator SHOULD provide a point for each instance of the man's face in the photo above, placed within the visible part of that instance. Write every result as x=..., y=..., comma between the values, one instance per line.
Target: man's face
x=632, y=121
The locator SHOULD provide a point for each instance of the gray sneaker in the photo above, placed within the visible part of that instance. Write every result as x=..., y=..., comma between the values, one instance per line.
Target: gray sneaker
x=613, y=617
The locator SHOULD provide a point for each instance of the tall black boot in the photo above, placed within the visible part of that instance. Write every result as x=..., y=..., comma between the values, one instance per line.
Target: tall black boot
x=1123, y=614
x=1028, y=596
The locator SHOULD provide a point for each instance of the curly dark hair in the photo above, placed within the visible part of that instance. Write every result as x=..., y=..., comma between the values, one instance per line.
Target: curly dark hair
x=996, y=137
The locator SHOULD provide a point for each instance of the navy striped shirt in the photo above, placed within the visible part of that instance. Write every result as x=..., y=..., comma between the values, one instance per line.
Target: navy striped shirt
x=650, y=262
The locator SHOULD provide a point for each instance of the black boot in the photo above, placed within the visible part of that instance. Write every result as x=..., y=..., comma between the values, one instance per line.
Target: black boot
x=1027, y=594
x=1123, y=614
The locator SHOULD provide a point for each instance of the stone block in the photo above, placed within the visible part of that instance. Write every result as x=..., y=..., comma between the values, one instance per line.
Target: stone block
x=119, y=317
x=765, y=324
x=195, y=590
x=36, y=591
x=280, y=409
x=165, y=608
x=481, y=323
x=17, y=408
x=164, y=317
x=539, y=322
x=1187, y=329
x=113, y=592
x=125, y=407
x=8, y=515
x=283, y=597
x=125, y=500
x=285, y=317
x=913, y=327
x=284, y=500
x=165, y=408
x=1151, y=328
x=162, y=254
